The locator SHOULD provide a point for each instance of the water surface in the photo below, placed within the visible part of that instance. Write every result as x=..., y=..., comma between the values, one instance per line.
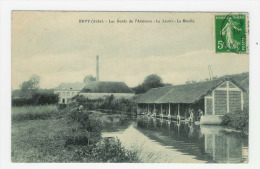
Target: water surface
x=164, y=141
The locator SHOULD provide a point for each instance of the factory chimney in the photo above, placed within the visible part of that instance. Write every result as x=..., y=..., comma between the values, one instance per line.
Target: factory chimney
x=97, y=69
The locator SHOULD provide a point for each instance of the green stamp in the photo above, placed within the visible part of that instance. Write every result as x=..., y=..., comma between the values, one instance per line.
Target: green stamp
x=230, y=33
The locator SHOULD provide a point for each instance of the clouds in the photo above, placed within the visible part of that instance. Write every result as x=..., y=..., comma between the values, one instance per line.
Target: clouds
x=59, y=49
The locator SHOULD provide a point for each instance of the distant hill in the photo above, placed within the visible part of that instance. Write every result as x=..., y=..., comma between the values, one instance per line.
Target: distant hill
x=242, y=79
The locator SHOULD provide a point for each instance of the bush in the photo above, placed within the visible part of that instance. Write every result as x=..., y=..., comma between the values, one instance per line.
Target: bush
x=111, y=150
x=110, y=103
x=85, y=130
x=106, y=150
x=237, y=120
x=45, y=98
x=36, y=99
x=61, y=106
x=22, y=102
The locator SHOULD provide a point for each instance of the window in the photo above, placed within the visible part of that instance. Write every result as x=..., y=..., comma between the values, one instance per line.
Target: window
x=63, y=93
x=68, y=93
x=63, y=101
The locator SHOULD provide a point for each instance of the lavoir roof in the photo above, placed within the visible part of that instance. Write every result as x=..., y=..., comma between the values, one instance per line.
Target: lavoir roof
x=187, y=93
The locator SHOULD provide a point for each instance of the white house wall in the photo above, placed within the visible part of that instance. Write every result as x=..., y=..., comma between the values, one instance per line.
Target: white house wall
x=65, y=95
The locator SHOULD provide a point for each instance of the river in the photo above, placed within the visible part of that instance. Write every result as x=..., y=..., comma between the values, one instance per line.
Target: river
x=163, y=141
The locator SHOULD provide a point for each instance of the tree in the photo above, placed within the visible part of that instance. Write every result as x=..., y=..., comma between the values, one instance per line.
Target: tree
x=89, y=78
x=152, y=81
x=139, y=89
x=28, y=88
x=35, y=80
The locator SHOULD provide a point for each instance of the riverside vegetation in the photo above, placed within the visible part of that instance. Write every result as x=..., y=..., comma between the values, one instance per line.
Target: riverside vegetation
x=237, y=120
x=46, y=134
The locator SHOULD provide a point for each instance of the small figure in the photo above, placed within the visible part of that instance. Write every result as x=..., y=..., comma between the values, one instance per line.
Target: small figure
x=80, y=108
x=200, y=114
x=191, y=116
x=178, y=118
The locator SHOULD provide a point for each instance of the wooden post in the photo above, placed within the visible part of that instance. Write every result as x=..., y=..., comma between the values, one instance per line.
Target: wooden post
x=148, y=108
x=154, y=108
x=228, y=97
x=242, y=101
x=169, y=109
x=205, y=106
x=178, y=116
x=178, y=109
x=185, y=113
x=137, y=109
x=213, y=102
x=161, y=108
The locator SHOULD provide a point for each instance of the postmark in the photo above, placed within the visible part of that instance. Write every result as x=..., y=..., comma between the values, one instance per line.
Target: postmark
x=231, y=33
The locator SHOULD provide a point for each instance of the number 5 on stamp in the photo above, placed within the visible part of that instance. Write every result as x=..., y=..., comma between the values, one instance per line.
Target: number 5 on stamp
x=231, y=33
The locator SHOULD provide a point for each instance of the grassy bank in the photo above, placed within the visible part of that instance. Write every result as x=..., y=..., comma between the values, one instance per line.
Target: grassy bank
x=25, y=113
x=44, y=134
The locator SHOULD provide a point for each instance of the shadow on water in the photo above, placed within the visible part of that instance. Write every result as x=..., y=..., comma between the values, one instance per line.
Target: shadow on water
x=205, y=142
x=114, y=122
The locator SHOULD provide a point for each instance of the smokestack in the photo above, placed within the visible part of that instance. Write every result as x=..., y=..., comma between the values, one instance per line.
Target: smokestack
x=97, y=69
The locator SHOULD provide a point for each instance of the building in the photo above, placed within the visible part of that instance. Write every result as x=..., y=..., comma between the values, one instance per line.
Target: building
x=67, y=90
x=101, y=89
x=93, y=89
x=214, y=98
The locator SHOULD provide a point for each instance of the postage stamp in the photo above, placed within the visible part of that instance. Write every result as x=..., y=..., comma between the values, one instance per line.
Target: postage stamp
x=231, y=33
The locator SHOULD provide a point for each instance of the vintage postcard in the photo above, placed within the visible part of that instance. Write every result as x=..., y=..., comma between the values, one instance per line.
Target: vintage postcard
x=130, y=87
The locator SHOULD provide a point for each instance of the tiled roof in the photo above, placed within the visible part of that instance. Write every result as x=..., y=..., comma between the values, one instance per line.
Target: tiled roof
x=71, y=86
x=106, y=87
x=187, y=93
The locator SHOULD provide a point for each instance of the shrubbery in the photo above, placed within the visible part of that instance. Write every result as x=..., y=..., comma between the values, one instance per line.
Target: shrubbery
x=237, y=120
x=84, y=129
x=106, y=150
x=36, y=99
x=108, y=103
x=85, y=139
x=68, y=135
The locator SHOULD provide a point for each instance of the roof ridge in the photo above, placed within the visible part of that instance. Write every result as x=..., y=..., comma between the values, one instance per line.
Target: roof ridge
x=164, y=95
x=226, y=78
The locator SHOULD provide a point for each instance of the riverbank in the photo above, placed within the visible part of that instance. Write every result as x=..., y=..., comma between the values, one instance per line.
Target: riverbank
x=236, y=122
x=45, y=134
x=231, y=130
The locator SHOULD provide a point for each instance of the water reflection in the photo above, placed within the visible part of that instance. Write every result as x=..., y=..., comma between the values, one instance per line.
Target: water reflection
x=223, y=147
x=208, y=143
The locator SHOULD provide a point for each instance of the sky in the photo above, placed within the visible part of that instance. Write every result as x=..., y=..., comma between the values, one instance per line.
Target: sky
x=58, y=48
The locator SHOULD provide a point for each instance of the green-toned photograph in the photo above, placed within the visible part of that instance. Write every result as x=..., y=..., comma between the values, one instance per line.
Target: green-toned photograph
x=129, y=87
